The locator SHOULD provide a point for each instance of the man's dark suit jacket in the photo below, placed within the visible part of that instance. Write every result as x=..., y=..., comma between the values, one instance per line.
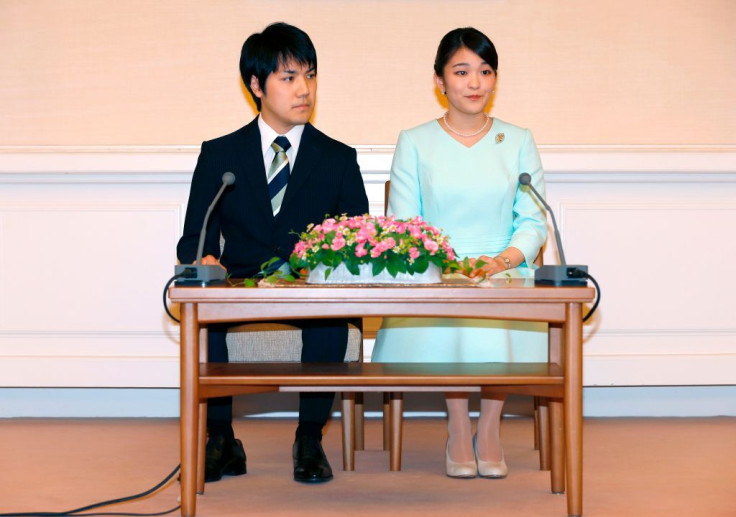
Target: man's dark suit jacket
x=325, y=180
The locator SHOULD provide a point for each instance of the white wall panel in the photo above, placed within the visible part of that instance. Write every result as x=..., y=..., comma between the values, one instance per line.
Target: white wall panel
x=88, y=235
x=80, y=261
x=650, y=254
x=82, y=270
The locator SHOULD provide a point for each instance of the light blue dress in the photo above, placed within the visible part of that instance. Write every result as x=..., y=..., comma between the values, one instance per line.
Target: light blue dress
x=473, y=195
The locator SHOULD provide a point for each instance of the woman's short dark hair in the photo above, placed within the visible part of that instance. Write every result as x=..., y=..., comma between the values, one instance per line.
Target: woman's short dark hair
x=469, y=38
x=278, y=44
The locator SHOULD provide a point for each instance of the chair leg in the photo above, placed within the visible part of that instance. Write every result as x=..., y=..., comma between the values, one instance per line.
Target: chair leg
x=396, y=419
x=536, y=423
x=359, y=422
x=542, y=414
x=557, y=453
x=201, y=445
x=386, y=422
x=348, y=431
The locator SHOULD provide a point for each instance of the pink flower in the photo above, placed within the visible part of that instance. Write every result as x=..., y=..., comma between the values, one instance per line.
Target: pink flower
x=430, y=246
x=338, y=242
x=300, y=247
x=376, y=252
x=448, y=250
x=328, y=225
x=360, y=250
x=364, y=234
x=413, y=253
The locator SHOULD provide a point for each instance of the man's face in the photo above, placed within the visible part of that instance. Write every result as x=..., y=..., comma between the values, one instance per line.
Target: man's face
x=289, y=96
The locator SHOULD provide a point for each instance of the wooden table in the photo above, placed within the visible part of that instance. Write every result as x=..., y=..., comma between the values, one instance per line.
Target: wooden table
x=517, y=299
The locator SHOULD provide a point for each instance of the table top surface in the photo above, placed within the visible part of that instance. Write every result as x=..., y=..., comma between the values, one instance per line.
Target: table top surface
x=495, y=290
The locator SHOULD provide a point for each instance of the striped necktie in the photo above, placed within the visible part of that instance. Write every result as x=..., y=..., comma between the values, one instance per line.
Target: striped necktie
x=278, y=173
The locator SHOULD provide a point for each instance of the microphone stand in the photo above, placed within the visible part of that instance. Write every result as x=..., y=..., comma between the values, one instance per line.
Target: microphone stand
x=564, y=274
x=198, y=274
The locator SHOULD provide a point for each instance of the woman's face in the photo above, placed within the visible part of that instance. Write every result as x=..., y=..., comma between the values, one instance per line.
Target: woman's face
x=468, y=82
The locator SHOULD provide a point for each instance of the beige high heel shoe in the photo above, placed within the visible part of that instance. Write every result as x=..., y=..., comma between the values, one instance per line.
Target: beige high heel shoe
x=459, y=469
x=490, y=469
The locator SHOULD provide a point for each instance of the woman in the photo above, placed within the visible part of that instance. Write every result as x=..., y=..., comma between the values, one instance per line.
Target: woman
x=460, y=172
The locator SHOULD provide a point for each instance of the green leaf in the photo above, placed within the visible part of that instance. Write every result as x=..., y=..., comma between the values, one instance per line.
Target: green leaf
x=466, y=269
x=249, y=282
x=420, y=264
x=437, y=261
x=451, y=266
x=269, y=263
x=392, y=269
x=378, y=266
x=353, y=267
x=327, y=272
x=396, y=264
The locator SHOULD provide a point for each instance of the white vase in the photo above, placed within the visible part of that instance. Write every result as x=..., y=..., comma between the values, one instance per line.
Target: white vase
x=341, y=275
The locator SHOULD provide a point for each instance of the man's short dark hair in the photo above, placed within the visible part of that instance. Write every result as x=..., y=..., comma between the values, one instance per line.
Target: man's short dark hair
x=278, y=44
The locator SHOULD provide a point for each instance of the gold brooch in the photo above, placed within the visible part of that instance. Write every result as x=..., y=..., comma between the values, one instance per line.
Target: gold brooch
x=500, y=137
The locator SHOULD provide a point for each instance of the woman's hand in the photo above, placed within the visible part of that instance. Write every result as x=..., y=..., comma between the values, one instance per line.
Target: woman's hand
x=485, y=266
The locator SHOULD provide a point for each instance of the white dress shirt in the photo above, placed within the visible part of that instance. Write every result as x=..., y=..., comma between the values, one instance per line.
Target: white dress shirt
x=268, y=135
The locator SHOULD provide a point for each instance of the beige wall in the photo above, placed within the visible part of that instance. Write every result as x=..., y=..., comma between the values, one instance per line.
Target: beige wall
x=95, y=72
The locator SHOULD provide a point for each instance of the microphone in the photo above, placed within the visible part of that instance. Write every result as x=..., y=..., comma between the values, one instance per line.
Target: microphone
x=562, y=275
x=199, y=274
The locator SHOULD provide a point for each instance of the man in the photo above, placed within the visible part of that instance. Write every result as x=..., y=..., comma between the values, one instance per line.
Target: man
x=288, y=174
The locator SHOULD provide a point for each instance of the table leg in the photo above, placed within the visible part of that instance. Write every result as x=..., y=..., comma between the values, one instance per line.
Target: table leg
x=202, y=428
x=556, y=420
x=574, y=408
x=189, y=400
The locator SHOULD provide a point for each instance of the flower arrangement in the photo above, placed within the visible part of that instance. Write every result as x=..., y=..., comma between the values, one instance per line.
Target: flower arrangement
x=390, y=244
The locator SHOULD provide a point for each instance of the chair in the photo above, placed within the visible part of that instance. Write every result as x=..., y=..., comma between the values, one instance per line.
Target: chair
x=280, y=342
x=393, y=404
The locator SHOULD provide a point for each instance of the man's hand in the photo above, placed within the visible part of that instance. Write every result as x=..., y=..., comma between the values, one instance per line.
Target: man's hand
x=210, y=260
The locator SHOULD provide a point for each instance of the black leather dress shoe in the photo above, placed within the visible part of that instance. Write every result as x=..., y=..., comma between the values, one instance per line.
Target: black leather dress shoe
x=310, y=462
x=223, y=457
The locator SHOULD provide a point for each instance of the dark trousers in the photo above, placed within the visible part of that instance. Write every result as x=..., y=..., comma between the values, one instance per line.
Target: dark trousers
x=324, y=341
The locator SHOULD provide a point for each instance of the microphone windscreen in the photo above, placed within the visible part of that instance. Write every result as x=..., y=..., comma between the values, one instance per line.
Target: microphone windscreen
x=228, y=178
x=524, y=178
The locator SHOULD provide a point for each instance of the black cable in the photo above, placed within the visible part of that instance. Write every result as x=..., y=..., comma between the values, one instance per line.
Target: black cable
x=579, y=273
x=166, y=307
x=59, y=514
x=76, y=512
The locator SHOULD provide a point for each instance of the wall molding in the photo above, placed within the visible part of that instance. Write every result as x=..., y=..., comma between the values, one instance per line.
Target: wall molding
x=647, y=401
x=174, y=164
